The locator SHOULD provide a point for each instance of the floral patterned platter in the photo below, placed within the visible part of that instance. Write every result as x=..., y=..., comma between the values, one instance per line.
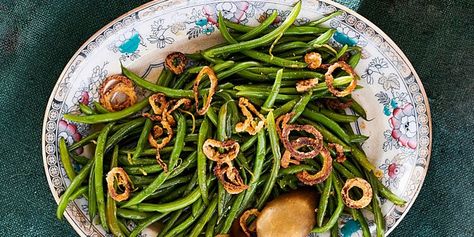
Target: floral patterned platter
x=399, y=125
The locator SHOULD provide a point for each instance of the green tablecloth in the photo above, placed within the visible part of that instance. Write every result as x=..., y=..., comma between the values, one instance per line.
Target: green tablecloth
x=37, y=38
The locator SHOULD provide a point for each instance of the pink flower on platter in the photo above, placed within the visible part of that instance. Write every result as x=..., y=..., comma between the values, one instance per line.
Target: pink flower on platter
x=393, y=170
x=235, y=12
x=84, y=98
x=404, y=126
x=69, y=132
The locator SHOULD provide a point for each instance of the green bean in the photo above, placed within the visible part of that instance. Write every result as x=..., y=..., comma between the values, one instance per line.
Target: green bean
x=184, y=225
x=361, y=158
x=296, y=75
x=257, y=169
x=173, y=195
x=99, y=173
x=152, y=152
x=108, y=117
x=216, y=68
x=220, y=67
x=245, y=45
x=123, y=227
x=233, y=213
x=259, y=29
x=274, y=92
x=76, y=182
x=253, y=76
x=276, y=154
x=131, y=214
x=143, y=169
x=92, y=201
x=378, y=216
x=170, y=222
x=335, y=215
x=222, y=135
x=322, y=39
x=343, y=170
x=327, y=122
x=354, y=59
x=323, y=201
x=201, y=160
x=65, y=159
x=386, y=193
x=173, y=93
x=274, y=60
x=326, y=18
x=265, y=88
x=174, y=157
x=111, y=208
x=339, y=54
x=293, y=169
x=232, y=108
x=99, y=108
x=264, y=95
x=182, y=79
x=358, y=109
x=196, y=231
x=143, y=140
x=359, y=217
x=237, y=68
x=212, y=116
x=123, y=132
x=238, y=27
x=300, y=106
x=288, y=46
x=80, y=191
x=210, y=227
x=167, y=79
x=249, y=143
x=86, y=109
x=327, y=135
x=79, y=159
x=343, y=118
x=150, y=220
x=287, y=107
x=170, y=206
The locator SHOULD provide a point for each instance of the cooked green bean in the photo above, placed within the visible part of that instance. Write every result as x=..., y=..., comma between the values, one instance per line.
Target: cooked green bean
x=196, y=231
x=82, y=191
x=65, y=159
x=86, y=109
x=92, y=201
x=323, y=201
x=259, y=29
x=123, y=132
x=212, y=116
x=111, y=208
x=185, y=224
x=275, y=145
x=298, y=75
x=170, y=206
x=233, y=213
x=131, y=214
x=343, y=118
x=327, y=122
x=150, y=220
x=300, y=106
x=108, y=117
x=378, y=216
x=201, y=160
x=326, y=18
x=359, y=217
x=260, y=41
x=99, y=108
x=274, y=92
x=143, y=139
x=76, y=182
x=211, y=226
x=358, y=109
x=337, y=212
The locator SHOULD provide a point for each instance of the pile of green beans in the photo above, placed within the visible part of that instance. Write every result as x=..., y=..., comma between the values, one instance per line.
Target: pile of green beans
x=261, y=64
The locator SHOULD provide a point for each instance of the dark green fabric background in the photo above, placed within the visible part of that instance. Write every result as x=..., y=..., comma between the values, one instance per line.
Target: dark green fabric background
x=37, y=38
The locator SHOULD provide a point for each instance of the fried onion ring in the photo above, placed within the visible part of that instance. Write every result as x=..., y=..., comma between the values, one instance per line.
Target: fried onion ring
x=243, y=221
x=323, y=174
x=306, y=85
x=340, y=156
x=158, y=103
x=249, y=125
x=231, y=150
x=330, y=79
x=316, y=143
x=117, y=92
x=123, y=180
x=313, y=60
x=337, y=104
x=176, y=62
x=286, y=160
x=230, y=178
x=212, y=90
x=366, y=193
x=155, y=134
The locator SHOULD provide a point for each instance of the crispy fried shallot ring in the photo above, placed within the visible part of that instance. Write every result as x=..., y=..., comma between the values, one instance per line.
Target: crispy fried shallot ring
x=366, y=193
x=286, y=160
x=231, y=150
x=320, y=176
x=330, y=79
x=315, y=143
x=176, y=62
x=123, y=180
x=306, y=85
x=340, y=156
x=313, y=60
x=158, y=103
x=230, y=178
x=117, y=92
x=243, y=221
x=282, y=121
x=337, y=104
x=249, y=125
x=212, y=90
x=155, y=134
